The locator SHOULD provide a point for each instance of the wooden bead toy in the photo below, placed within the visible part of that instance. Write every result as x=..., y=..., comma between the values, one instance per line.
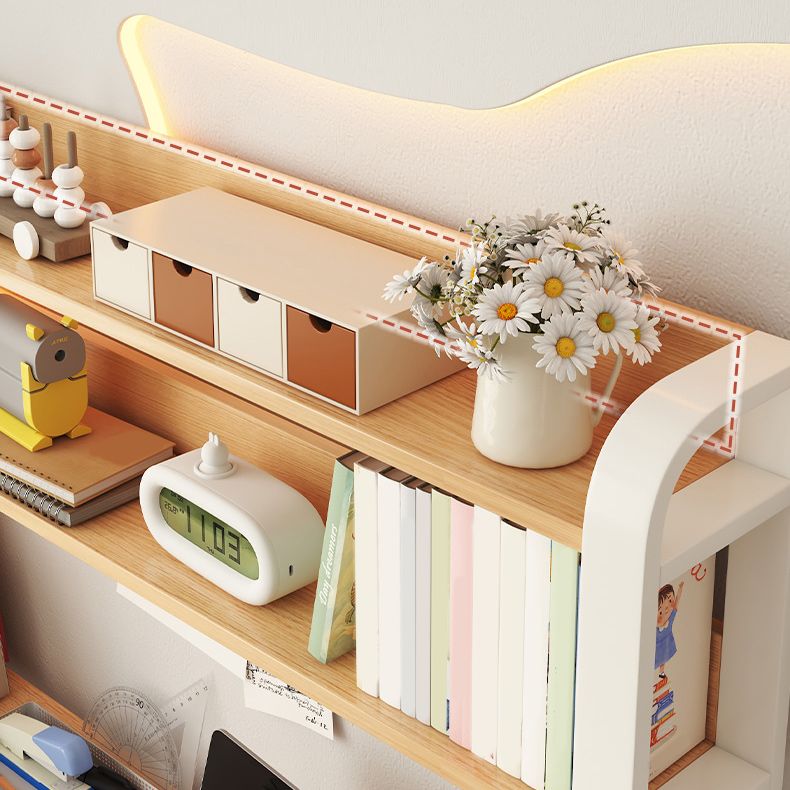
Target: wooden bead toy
x=24, y=139
x=46, y=206
x=68, y=178
x=7, y=125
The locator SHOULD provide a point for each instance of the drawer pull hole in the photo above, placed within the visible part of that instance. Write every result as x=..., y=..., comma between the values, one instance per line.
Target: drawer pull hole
x=183, y=269
x=249, y=295
x=320, y=324
x=119, y=244
x=290, y=570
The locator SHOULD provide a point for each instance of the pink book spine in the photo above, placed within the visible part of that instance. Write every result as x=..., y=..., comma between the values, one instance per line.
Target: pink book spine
x=461, y=516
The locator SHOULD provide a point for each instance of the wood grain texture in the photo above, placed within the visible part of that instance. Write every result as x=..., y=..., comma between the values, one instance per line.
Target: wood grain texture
x=425, y=433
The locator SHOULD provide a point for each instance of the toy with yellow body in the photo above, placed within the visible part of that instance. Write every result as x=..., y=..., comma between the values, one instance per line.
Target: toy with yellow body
x=43, y=382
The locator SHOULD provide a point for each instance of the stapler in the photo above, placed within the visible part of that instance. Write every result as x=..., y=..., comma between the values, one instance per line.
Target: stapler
x=51, y=758
x=43, y=383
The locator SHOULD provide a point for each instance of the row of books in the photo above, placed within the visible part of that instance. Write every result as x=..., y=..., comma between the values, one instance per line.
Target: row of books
x=463, y=621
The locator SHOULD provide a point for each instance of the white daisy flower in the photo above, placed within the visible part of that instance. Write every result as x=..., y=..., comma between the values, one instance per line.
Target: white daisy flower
x=530, y=224
x=506, y=309
x=556, y=283
x=646, y=342
x=402, y=284
x=623, y=254
x=609, y=319
x=472, y=260
x=583, y=248
x=608, y=279
x=565, y=347
x=523, y=256
x=430, y=288
x=476, y=351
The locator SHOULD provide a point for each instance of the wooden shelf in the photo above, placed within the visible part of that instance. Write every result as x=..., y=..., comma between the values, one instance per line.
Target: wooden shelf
x=426, y=433
x=120, y=546
x=22, y=692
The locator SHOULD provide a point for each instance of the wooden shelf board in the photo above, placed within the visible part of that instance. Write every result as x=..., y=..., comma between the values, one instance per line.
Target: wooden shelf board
x=275, y=637
x=427, y=433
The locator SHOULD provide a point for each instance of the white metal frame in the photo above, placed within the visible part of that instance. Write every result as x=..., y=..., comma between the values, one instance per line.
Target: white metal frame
x=638, y=533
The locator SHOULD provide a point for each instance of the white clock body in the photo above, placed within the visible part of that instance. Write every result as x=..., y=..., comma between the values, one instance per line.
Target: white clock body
x=283, y=528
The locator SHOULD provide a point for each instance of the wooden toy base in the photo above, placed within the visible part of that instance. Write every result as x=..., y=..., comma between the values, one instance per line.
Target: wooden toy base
x=56, y=243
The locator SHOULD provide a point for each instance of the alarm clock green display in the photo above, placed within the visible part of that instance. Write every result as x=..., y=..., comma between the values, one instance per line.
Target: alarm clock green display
x=215, y=537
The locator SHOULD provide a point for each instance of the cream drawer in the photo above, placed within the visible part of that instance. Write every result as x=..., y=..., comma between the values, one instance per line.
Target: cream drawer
x=120, y=273
x=250, y=327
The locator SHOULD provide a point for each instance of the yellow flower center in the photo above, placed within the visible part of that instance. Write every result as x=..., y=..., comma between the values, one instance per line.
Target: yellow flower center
x=637, y=334
x=553, y=287
x=533, y=260
x=569, y=245
x=566, y=347
x=507, y=311
x=619, y=258
x=606, y=322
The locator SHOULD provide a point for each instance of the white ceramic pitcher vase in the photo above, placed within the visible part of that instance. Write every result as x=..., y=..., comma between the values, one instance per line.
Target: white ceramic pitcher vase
x=532, y=420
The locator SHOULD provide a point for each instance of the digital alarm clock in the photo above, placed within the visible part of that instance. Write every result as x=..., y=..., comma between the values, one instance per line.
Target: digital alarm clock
x=238, y=526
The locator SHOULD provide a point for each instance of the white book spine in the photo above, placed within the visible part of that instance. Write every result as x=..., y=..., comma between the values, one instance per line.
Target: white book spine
x=536, y=659
x=389, y=591
x=366, y=583
x=485, y=632
x=510, y=680
x=408, y=612
x=422, y=631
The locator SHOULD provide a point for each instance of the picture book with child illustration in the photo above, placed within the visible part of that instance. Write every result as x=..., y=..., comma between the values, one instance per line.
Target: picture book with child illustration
x=684, y=612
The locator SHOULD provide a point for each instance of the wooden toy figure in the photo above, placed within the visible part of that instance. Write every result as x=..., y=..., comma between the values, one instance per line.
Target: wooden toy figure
x=43, y=382
x=68, y=178
x=25, y=158
x=7, y=125
x=42, y=205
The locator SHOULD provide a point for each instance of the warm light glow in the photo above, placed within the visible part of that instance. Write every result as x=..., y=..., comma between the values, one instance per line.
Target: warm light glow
x=129, y=41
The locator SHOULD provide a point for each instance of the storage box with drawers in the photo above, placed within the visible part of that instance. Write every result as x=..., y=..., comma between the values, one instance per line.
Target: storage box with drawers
x=285, y=296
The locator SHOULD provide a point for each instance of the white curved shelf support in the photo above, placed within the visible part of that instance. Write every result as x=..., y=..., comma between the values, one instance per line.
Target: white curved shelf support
x=637, y=533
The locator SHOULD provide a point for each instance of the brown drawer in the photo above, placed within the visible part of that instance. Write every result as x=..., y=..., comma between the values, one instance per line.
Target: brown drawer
x=322, y=357
x=183, y=299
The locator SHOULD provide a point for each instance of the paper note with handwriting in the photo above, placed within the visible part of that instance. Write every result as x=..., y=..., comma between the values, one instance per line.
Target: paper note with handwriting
x=264, y=692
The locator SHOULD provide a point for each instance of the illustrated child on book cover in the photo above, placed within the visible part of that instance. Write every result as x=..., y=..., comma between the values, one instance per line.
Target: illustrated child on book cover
x=666, y=648
x=682, y=662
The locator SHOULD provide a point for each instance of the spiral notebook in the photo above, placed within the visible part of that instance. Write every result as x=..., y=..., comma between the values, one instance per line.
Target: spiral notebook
x=75, y=471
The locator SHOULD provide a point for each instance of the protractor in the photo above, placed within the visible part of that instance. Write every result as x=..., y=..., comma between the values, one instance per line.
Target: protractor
x=125, y=723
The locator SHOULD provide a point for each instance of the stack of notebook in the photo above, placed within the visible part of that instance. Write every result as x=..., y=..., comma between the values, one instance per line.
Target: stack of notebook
x=77, y=479
x=454, y=610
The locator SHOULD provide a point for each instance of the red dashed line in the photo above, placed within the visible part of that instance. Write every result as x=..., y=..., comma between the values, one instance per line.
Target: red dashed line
x=209, y=158
x=388, y=323
x=92, y=118
x=107, y=123
x=40, y=101
x=124, y=129
x=405, y=329
x=414, y=227
x=396, y=220
x=379, y=215
x=312, y=192
x=158, y=140
x=244, y=169
x=23, y=95
x=193, y=153
x=329, y=198
x=176, y=146
x=227, y=164
x=140, y=134
x=296, y=187
x=346, y=204
x=363, y=209
x=261, y=175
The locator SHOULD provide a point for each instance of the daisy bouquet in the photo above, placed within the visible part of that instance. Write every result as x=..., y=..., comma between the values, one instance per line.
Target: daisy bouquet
x=567, y=280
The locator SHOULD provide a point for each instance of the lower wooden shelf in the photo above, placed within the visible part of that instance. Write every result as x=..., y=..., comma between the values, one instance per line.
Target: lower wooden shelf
x=275, y=637
x=21, y=692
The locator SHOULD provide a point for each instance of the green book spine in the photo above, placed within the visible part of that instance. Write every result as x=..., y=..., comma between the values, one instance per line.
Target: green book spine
x=562, y=666
x=332, y=630
x=440, y=609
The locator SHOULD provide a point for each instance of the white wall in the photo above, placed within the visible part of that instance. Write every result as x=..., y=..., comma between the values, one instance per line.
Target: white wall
x=72, y=634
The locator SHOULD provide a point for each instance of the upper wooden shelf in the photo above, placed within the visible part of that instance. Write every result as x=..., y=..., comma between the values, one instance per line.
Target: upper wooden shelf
x=427, y=433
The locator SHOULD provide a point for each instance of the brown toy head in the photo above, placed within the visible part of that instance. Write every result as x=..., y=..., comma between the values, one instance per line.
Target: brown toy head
x=7, y=123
